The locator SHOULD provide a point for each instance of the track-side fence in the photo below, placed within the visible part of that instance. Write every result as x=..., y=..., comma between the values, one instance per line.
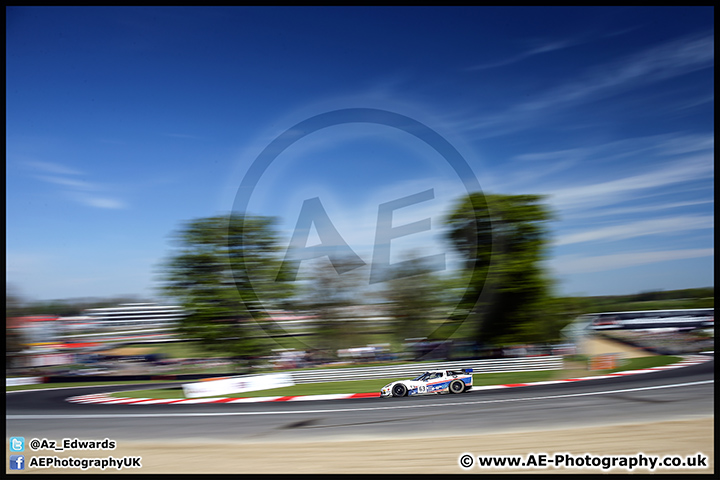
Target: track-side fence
x=526, y=364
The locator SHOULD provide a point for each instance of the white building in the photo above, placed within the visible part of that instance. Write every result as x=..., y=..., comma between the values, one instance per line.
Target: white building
x=145, y=315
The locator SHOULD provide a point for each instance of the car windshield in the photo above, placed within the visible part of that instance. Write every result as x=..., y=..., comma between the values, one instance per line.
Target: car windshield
x=427, y=376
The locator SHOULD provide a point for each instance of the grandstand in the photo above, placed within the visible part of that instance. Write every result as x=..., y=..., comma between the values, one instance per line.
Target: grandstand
x=129, y=322
x=648, y=319
x=135, y=315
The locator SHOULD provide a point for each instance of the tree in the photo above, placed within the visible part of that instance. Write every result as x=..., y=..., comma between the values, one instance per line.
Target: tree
x=223, y=273
x=413, y=301
x=503, y=239
x=333, y=299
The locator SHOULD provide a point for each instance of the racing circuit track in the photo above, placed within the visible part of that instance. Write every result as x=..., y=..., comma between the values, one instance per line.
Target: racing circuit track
x=673, y=394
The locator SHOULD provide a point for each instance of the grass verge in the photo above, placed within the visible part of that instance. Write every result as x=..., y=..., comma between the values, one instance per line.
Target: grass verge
x=45, y=386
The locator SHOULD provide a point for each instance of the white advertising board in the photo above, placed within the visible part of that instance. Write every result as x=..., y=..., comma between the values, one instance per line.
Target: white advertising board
x=226, y=386
x=15, y=382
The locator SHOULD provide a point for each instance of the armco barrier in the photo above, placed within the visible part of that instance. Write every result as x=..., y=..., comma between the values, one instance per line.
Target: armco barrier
x=525, y=364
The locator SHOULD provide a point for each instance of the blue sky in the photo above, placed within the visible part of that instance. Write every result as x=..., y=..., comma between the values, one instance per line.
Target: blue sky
x=124, y=123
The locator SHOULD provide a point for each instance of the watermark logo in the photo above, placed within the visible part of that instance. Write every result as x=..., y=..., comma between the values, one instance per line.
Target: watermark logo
x=366, y=191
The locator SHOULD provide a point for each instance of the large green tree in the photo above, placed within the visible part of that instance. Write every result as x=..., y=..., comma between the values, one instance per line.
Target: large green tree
x=223, y=272
x=503, y=240
x=332, y=298
x=413, y=301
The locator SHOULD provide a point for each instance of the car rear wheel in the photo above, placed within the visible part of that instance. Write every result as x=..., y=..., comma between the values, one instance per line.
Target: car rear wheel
x=456, y=386
x=399, y=390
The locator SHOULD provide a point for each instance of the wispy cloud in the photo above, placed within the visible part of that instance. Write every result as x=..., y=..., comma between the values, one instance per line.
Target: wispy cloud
x=68, y=182
x=682, y=144
x=539, y=48
x=572, y=264
x=99, y=202
x=86, y=193
x=659, y=63
x=664, y=145
x=669, y=225
x=610, y=212
x=662, y=62
x=626, y=170
x=696, y=167
x=52, y=168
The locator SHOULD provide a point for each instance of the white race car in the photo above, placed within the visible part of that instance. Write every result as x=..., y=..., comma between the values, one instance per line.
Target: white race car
x=434, y=381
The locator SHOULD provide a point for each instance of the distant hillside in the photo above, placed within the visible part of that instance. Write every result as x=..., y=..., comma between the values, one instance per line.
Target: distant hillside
x=660, y=300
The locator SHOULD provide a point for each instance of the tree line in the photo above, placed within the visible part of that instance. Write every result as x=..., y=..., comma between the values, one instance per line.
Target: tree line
x=226, y=271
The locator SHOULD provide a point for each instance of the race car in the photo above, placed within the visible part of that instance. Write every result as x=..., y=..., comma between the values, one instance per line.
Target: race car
x=431, y=382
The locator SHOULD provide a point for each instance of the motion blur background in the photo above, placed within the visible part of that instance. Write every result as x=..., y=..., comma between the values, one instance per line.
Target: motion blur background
x=130, y=130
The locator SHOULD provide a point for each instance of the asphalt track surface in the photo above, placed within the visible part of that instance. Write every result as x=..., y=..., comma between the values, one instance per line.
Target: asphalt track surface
x=681, y=393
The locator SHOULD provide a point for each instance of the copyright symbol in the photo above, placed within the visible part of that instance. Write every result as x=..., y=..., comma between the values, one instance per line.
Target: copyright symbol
x=34, y=444
x=466, y=461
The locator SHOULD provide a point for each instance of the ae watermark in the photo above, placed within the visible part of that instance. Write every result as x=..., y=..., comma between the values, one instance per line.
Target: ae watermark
x=396, y=228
